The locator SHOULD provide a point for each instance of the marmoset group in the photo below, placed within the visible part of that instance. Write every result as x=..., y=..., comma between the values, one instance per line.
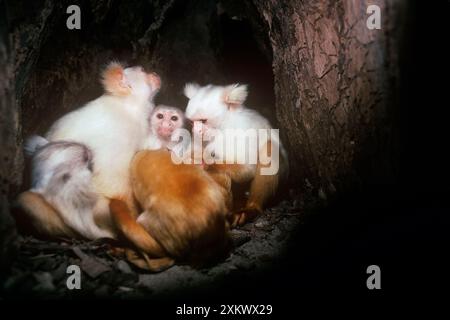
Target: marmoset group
x=106, y=170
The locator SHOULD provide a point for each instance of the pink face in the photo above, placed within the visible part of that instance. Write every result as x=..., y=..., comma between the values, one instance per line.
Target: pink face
x=165, y=120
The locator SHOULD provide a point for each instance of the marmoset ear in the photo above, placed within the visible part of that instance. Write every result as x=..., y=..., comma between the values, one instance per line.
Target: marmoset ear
x=190, y=90
x=114, y=80
x=235, y=95
x=154, y=80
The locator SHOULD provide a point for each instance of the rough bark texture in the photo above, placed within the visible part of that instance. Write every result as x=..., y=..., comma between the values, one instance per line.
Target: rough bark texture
x=335, y=82
x=10, y=156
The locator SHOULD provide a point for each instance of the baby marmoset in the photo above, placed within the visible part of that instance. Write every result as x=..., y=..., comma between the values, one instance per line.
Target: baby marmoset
x=164, y=121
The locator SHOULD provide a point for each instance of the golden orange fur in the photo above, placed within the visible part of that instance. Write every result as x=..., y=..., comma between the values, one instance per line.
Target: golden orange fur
x=113, y=80
x=185, y=211
x=262, y=187
x=40, y=217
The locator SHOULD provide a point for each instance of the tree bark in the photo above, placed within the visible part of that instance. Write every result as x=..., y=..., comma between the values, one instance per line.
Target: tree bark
x=10, y=158
x=335, y=87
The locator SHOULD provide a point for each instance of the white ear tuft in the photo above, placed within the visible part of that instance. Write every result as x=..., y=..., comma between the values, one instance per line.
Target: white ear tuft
x=236, y=94
x=190, y=89
x=114, y=81
x=33, y=143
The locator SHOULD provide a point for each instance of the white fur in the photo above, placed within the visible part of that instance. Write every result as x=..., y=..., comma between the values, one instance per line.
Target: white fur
x=73, y=197
x=33, y=143
x=236, y=94
x=114, y=128
x=77, y=217
x=190, y=89
x=210, y=103
x=153, y=142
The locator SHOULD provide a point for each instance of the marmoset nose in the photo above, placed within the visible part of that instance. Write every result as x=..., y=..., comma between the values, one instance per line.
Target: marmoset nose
x=166, y=124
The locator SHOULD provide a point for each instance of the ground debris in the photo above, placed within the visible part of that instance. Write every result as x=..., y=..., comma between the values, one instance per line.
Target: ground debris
x=93, y=266
x=40, y=269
